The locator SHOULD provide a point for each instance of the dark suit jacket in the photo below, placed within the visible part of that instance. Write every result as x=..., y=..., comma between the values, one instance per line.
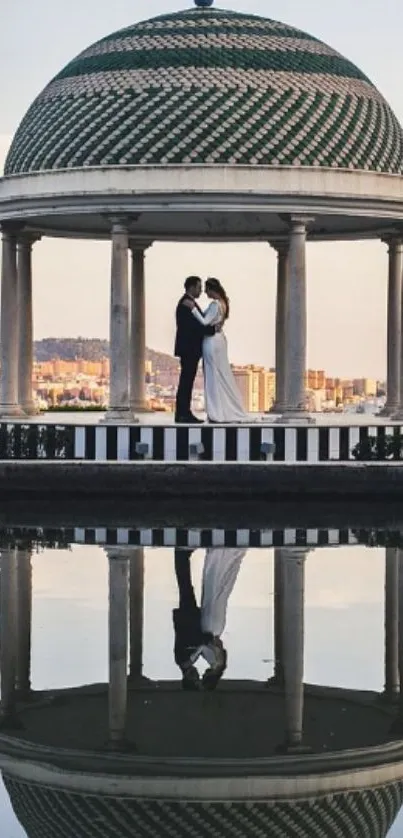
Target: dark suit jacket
x=189, y=332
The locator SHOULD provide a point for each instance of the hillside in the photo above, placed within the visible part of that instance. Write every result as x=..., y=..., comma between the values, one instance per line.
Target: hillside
x=90, y=349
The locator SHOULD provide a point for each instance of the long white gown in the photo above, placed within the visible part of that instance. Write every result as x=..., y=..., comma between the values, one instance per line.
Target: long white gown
x=223, y=399
x=220, y=572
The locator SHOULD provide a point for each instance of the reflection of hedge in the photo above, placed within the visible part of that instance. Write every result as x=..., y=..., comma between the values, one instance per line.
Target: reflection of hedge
x=379, y=538
x=381, y=447
x=36, y=540
x=34, y=442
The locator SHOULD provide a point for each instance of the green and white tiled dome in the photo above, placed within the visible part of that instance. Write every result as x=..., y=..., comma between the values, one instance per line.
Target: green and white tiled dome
x=207, y=86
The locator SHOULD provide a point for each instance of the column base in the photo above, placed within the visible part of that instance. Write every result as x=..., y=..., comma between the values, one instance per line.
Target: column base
x=140, y=407
x=293, y=749
x=119, y=417
x=389, y=697
x=297, y=417
x=389, y=410
x=276, y=409
x=277, y=680
x=11, y=411
x=396, y=728
x=30, y=409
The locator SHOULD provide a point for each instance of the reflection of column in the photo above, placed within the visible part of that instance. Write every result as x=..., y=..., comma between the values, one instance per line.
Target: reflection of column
x=118, y=642
x=278, y=677
x=391, y=624
x=24, y=614
x=8, y=642
x=397, y=726
x=293, y=644
x=136, y=611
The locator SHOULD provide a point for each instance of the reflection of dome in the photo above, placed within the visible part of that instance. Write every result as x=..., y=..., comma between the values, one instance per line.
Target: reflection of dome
x=211, y=87
x=48, y=812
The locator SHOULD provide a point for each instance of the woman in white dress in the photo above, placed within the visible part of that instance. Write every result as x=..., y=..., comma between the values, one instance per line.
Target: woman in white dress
x=220, y=572
x=223, y=399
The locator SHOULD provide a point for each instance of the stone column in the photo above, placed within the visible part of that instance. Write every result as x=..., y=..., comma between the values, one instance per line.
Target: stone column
x=397, y=726
x=24, y=617
x=26, y=345
x=394, y=335
x=138, y=402
x=281, y=312
x=296, y=322
x=278, y=677
x=8, y=638
x=9, y=338
x=136, y=612
x=293, y=560
x=118, y=410
x=391, y=624
x=118, y=642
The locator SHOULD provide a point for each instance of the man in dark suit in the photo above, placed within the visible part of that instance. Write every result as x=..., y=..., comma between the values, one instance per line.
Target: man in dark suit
x=188, y=347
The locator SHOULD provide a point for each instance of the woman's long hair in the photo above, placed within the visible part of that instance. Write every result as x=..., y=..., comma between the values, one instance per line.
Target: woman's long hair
x=215, y=285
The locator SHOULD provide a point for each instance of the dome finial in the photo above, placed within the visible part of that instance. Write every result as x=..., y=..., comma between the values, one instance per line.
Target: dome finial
x=203, y=3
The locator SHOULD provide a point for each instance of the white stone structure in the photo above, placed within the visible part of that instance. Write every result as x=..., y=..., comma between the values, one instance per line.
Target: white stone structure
x=150, y=136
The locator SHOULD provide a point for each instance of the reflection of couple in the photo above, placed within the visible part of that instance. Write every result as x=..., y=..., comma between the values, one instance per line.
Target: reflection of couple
x=201, y=335
x=198, y=630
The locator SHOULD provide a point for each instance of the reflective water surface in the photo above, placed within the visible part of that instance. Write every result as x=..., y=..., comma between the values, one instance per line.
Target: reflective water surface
x=207, y=682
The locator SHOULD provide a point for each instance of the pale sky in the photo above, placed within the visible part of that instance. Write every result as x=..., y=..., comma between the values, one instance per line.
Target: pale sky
x=347, y=283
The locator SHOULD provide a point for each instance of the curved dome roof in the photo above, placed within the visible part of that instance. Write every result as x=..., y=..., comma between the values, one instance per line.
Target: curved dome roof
x=208, y=86
x=45, y=812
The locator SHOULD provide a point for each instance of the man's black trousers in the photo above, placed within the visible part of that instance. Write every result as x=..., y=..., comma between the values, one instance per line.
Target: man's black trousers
x=189, y=366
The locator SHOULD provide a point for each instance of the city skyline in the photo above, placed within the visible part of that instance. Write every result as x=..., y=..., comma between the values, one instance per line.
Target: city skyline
x=347, y=283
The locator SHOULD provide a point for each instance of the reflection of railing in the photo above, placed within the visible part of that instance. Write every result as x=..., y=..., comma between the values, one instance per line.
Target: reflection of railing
x=193, y=538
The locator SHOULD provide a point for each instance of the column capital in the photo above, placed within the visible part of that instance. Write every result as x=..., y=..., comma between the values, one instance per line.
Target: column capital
x=393, y=240
x=28, y=239
x=294, y=553
x=119, y=224
x=139, y=245
x=119, y=553
x=300, y=221
x=11, y=230
x=281, y=246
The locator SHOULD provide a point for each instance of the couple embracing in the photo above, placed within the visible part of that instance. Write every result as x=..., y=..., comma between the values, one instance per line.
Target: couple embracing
x=200, y=335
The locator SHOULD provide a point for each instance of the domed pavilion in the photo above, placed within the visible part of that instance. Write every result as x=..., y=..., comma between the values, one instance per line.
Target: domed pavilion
x=201, y=125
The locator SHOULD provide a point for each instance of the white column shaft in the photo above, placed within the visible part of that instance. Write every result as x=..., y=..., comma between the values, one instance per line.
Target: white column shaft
x=391, y=622
x=281, y=323
x=119, y=323
x=138, y=333
x=136, y=611
x=9, y=405
x=400, y=623
x=118, y=646
x=296, y=320
x=26, y=347
x=278, y=616
x=8, y=637
x=293, y=642
x=394, y=334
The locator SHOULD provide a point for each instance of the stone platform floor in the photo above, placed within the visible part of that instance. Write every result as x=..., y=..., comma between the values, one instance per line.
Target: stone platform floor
x=165, y=418
x=237, y=720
